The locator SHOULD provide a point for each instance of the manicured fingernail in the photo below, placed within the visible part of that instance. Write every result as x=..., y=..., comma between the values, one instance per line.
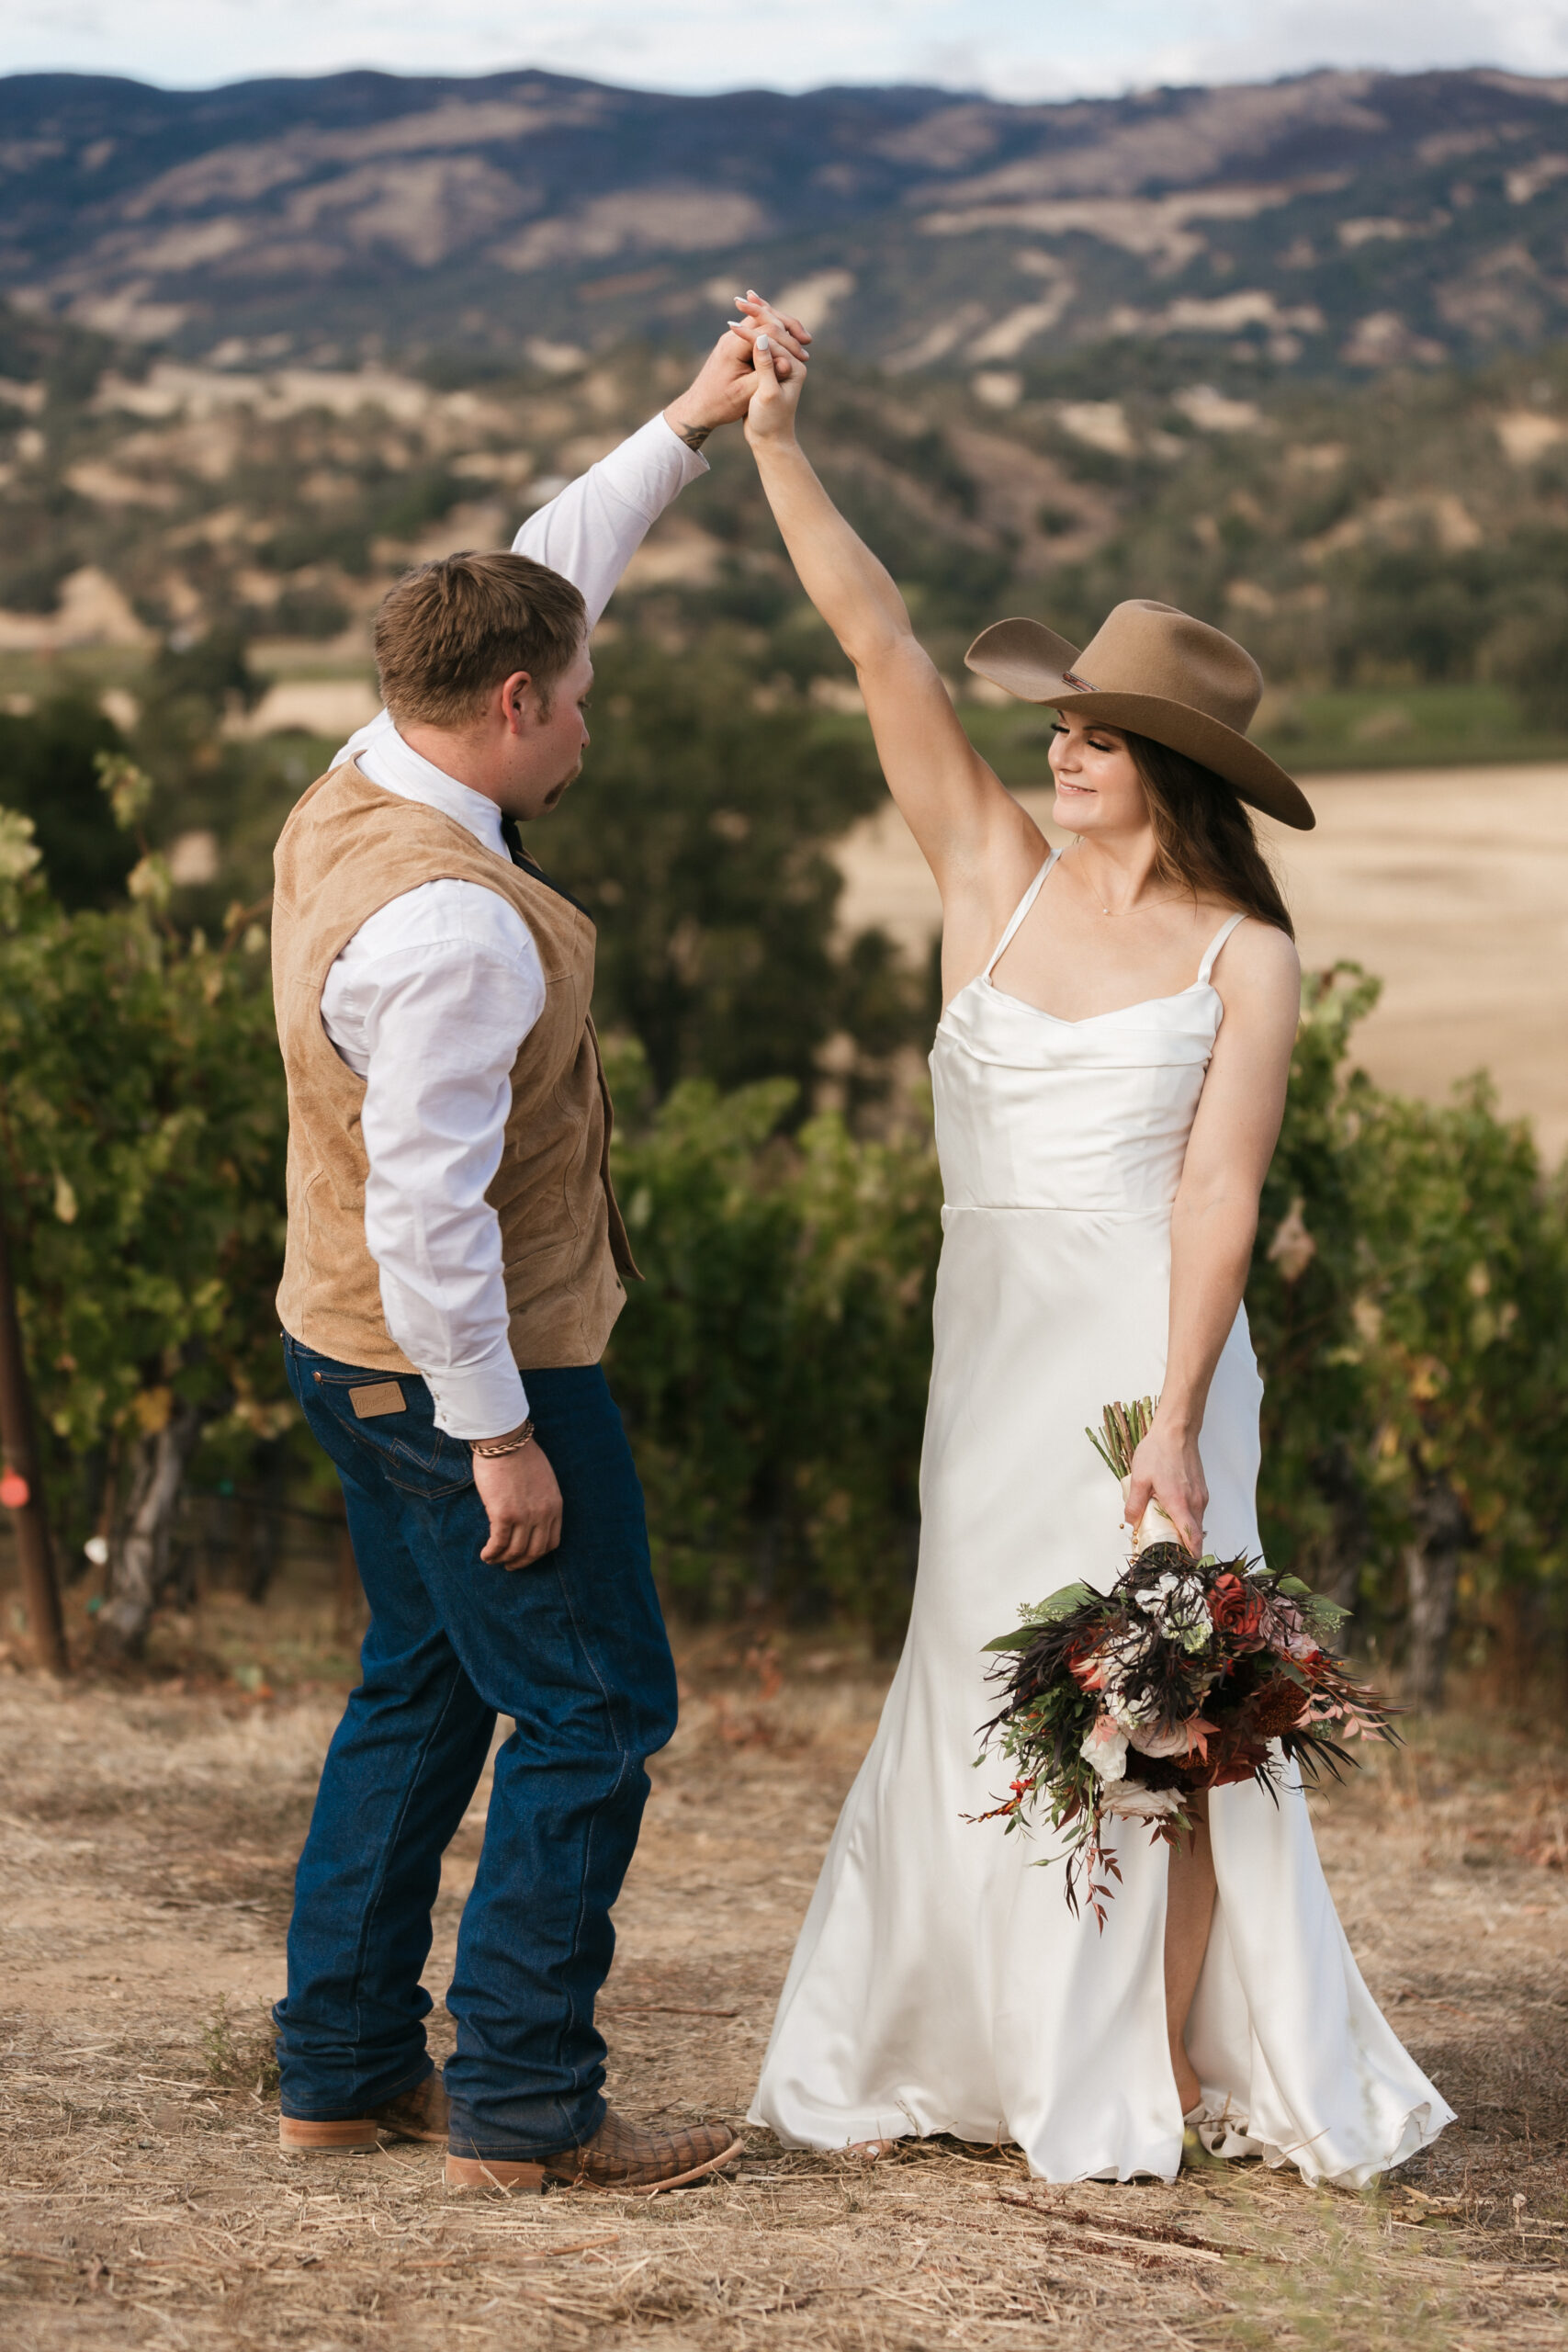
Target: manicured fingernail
x=763, y=343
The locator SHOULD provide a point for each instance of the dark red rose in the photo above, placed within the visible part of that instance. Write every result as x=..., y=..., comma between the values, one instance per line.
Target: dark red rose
x=1238, y=1611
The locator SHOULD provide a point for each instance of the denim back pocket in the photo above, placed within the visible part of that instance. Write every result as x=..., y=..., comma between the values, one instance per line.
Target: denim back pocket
x=408, y=1446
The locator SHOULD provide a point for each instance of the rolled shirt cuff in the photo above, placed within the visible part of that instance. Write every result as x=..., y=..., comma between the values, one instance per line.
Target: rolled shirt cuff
x=650, y=468
x=477, y=1400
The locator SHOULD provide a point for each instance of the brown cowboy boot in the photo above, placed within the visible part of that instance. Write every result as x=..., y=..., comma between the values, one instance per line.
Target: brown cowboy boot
x=416, y=2114
x=621, y=2157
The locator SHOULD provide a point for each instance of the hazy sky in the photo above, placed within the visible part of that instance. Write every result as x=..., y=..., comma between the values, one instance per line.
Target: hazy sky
x=1038, y=48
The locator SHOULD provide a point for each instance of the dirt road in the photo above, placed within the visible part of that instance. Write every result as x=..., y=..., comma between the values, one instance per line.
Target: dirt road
x=147, y=1842
x=1451, y=883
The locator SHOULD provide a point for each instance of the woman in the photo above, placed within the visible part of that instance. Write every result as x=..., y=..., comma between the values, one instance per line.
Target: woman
x=1109, y=1075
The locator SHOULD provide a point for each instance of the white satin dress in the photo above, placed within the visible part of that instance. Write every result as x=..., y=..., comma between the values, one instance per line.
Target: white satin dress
x=939, y=1983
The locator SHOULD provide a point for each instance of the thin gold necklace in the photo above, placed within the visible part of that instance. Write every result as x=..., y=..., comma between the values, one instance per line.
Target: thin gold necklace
x=1140, y=906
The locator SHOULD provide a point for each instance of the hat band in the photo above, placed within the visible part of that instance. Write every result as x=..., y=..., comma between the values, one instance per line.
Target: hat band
x=1071, y=678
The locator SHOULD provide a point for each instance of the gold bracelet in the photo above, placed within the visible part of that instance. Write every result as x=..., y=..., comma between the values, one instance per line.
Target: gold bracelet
x=496, y=1447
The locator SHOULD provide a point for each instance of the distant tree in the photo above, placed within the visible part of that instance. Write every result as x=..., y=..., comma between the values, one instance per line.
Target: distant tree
x=698, y=839
x=1529, y=650
x=1415, y=609
x=190, y=688
x=48, y=773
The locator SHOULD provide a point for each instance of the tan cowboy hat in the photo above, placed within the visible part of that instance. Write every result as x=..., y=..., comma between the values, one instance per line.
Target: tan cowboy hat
x=1157, y=673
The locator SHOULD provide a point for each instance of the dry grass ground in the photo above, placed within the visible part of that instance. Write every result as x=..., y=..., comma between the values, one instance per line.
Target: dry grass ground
x=1451, y=883
x=147, y=1842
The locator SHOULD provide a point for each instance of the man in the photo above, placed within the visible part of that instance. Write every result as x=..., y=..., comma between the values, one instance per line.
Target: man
x=455, y=1265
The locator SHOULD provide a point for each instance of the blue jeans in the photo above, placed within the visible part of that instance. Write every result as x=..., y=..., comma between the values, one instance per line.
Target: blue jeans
x=574, y=1651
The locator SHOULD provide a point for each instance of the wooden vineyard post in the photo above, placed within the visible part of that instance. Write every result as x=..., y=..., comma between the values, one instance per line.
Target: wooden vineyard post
x=20, y=1485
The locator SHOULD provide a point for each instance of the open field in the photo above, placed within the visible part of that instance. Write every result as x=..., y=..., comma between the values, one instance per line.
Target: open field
x=1451, y=884
x=146, y=1847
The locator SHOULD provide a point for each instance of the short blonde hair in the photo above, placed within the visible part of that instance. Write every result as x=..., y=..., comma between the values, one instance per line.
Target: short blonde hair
x=450, y=632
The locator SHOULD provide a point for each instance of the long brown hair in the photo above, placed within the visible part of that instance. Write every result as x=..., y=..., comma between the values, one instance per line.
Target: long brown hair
x=1203, y=834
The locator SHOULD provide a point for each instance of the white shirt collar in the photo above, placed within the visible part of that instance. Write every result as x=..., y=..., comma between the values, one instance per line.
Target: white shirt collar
x=397, y=767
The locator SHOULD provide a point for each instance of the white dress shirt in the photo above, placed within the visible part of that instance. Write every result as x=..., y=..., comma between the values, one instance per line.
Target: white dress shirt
x=431, y=998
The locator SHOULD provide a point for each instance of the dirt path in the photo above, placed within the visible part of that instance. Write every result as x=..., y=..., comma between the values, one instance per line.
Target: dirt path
x=146, y=1847
x=1451, y=883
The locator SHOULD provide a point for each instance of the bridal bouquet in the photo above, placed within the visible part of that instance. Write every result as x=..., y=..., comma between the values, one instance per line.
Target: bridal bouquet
x=1188, y=1674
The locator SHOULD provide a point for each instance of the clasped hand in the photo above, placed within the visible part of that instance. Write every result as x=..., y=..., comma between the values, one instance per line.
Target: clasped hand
x=1166, y=1470
x=722, y=391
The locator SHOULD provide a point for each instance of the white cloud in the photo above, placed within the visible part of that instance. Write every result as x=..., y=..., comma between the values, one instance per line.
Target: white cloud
x=1253, y=39
x=1013, y=48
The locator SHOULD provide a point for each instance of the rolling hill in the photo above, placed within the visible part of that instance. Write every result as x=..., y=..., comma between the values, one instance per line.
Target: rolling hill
x=261, y=351
x=1333, y=221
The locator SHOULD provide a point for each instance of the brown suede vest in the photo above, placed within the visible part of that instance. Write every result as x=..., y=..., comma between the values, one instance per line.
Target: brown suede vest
x=348, y=849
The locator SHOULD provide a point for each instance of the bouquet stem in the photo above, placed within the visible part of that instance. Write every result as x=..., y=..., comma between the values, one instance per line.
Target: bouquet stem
x=1123, y=1429
x=1154, y=1527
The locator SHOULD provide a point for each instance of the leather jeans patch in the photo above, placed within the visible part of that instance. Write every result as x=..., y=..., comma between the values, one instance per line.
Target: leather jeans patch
x=376, y=1397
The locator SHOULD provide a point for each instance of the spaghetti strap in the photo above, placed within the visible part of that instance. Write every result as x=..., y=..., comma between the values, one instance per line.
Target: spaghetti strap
x=1218, y=941
x=1005, y=942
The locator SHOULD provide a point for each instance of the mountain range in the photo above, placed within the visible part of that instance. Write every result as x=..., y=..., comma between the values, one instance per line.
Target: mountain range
x=1335, y=221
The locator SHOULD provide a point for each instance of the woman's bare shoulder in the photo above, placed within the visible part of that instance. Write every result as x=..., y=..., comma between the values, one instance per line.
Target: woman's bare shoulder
x=1261, y=946
x=1259, y=959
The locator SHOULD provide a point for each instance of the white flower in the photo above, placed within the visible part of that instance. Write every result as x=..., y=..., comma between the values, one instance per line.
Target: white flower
x=1105, y=1747
x=1133, y=1802
x=1179, y=1608
x=1178, y=1742
x=1124, y=1713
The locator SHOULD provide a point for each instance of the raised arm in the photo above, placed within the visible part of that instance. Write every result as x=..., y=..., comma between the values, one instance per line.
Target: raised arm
x=590, y=532
x=1214, y=1220
x=958, y=812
